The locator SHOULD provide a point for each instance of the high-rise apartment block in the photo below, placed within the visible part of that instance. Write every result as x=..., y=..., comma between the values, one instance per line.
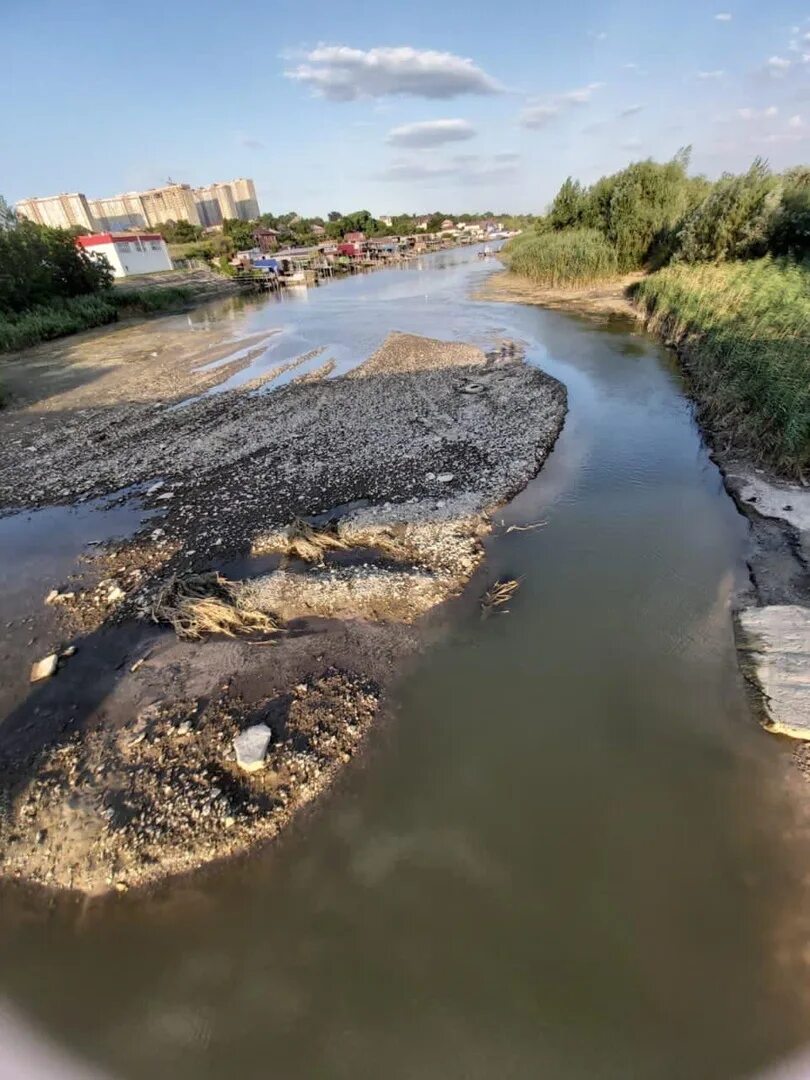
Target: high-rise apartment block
x=206, y=206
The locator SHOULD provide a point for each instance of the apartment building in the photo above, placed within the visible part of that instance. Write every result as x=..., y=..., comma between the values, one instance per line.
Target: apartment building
x=58, y=211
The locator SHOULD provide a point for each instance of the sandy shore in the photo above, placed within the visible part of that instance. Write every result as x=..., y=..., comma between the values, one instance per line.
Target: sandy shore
x=119, y=770
x=606, y=299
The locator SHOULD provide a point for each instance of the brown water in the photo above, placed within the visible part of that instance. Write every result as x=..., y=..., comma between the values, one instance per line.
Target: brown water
x=569, y=853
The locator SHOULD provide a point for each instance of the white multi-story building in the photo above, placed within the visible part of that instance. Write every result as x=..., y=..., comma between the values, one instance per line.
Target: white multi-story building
x=128, y=253
x=58, y=211
x=207, y=206
x=215, y=203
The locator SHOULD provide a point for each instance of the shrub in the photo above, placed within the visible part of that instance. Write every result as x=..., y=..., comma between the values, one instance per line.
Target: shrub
x=560, y=259
x=735, y=220
x=791, y=226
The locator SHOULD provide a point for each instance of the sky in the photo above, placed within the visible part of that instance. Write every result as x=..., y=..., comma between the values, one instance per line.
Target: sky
x=399, y=106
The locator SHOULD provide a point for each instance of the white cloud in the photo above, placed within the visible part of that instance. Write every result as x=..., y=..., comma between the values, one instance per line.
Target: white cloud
x=341, y=73
x=466, y=168
x=250, y=142
x=631, y=110
x=758, y=114
x=537, y=116
x=580, y=96
x=630, y=67
x=430, y=133
x=796, y=123
x=723, y=16
x=777, y=65
x=705, y=76
x=631, y=144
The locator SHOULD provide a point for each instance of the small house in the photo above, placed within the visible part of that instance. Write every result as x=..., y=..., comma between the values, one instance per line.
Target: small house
x=128, y=253
x=266, y=239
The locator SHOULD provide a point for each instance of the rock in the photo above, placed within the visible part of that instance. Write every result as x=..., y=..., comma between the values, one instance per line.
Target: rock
x=250, y=747
x=68, y=652
x=430, y=476
x=775, y=648
x=157, y=533
x=43, y=669
x=155, y=487
x=52, y=597
x=445, y=477
x=114, y=594
x=166, y=495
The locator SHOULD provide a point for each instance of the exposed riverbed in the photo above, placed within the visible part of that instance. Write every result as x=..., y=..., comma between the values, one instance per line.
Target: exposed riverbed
x=569, y=851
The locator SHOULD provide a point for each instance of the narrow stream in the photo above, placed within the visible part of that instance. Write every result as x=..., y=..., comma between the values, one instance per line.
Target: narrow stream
x=570, y=852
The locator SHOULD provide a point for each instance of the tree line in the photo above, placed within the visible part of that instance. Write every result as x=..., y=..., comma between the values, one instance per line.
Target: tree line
x=651, y=214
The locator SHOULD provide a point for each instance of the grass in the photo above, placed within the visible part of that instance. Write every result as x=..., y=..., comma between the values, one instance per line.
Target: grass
x=743, y=329
x=562, y=259
x=68, y=316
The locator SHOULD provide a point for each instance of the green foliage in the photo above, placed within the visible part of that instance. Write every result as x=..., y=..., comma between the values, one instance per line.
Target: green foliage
x=744, y=329
x=791, y=226
x=570, y=207
x=562, y=259
x=67, y=316
x=240, y=233
x=39, y=265
x=735, y=220
x=179, y=232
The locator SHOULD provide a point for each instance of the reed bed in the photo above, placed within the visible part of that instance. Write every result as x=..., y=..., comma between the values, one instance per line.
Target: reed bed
x=743, y=329
x=574, y=257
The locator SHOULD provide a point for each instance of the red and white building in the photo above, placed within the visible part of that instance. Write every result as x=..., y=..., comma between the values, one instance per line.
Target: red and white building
x=128, y=253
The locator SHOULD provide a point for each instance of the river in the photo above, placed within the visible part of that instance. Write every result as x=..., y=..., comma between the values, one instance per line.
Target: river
x=569, y=852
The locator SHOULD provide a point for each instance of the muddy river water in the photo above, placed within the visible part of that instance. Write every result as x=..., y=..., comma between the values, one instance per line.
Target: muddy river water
x=568, y=852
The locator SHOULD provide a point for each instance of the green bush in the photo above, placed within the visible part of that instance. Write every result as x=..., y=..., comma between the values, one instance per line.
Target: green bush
x=561, y=259
x=791, y=226
x=38, y=265
x=735, y=220
x=744, y=330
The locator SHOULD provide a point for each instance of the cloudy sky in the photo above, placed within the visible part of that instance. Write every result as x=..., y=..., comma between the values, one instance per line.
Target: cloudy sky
x=403, y=105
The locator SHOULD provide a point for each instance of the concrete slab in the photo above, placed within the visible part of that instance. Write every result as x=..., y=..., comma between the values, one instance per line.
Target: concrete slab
x=775, y=649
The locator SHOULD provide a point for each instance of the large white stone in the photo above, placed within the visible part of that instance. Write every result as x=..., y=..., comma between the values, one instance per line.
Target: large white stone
x=251, y=747
x=776, y=640
x=43, y=669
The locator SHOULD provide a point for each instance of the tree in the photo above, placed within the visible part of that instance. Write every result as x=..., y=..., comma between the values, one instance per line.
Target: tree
x=569, y=206
x=39, y=265
x=239, y=232
x=334, y=215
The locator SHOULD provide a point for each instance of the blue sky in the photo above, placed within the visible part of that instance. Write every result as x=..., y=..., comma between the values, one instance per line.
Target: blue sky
x=394, y=106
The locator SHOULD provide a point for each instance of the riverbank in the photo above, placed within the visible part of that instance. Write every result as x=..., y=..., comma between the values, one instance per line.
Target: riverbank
x=608, y=298
x=172, y=291
x=119, y=769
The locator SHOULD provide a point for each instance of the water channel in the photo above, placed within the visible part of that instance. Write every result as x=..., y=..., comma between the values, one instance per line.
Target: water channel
x=570, y=851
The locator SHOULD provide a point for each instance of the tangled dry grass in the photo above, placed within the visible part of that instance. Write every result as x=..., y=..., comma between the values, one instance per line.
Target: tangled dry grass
x=200, y=604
